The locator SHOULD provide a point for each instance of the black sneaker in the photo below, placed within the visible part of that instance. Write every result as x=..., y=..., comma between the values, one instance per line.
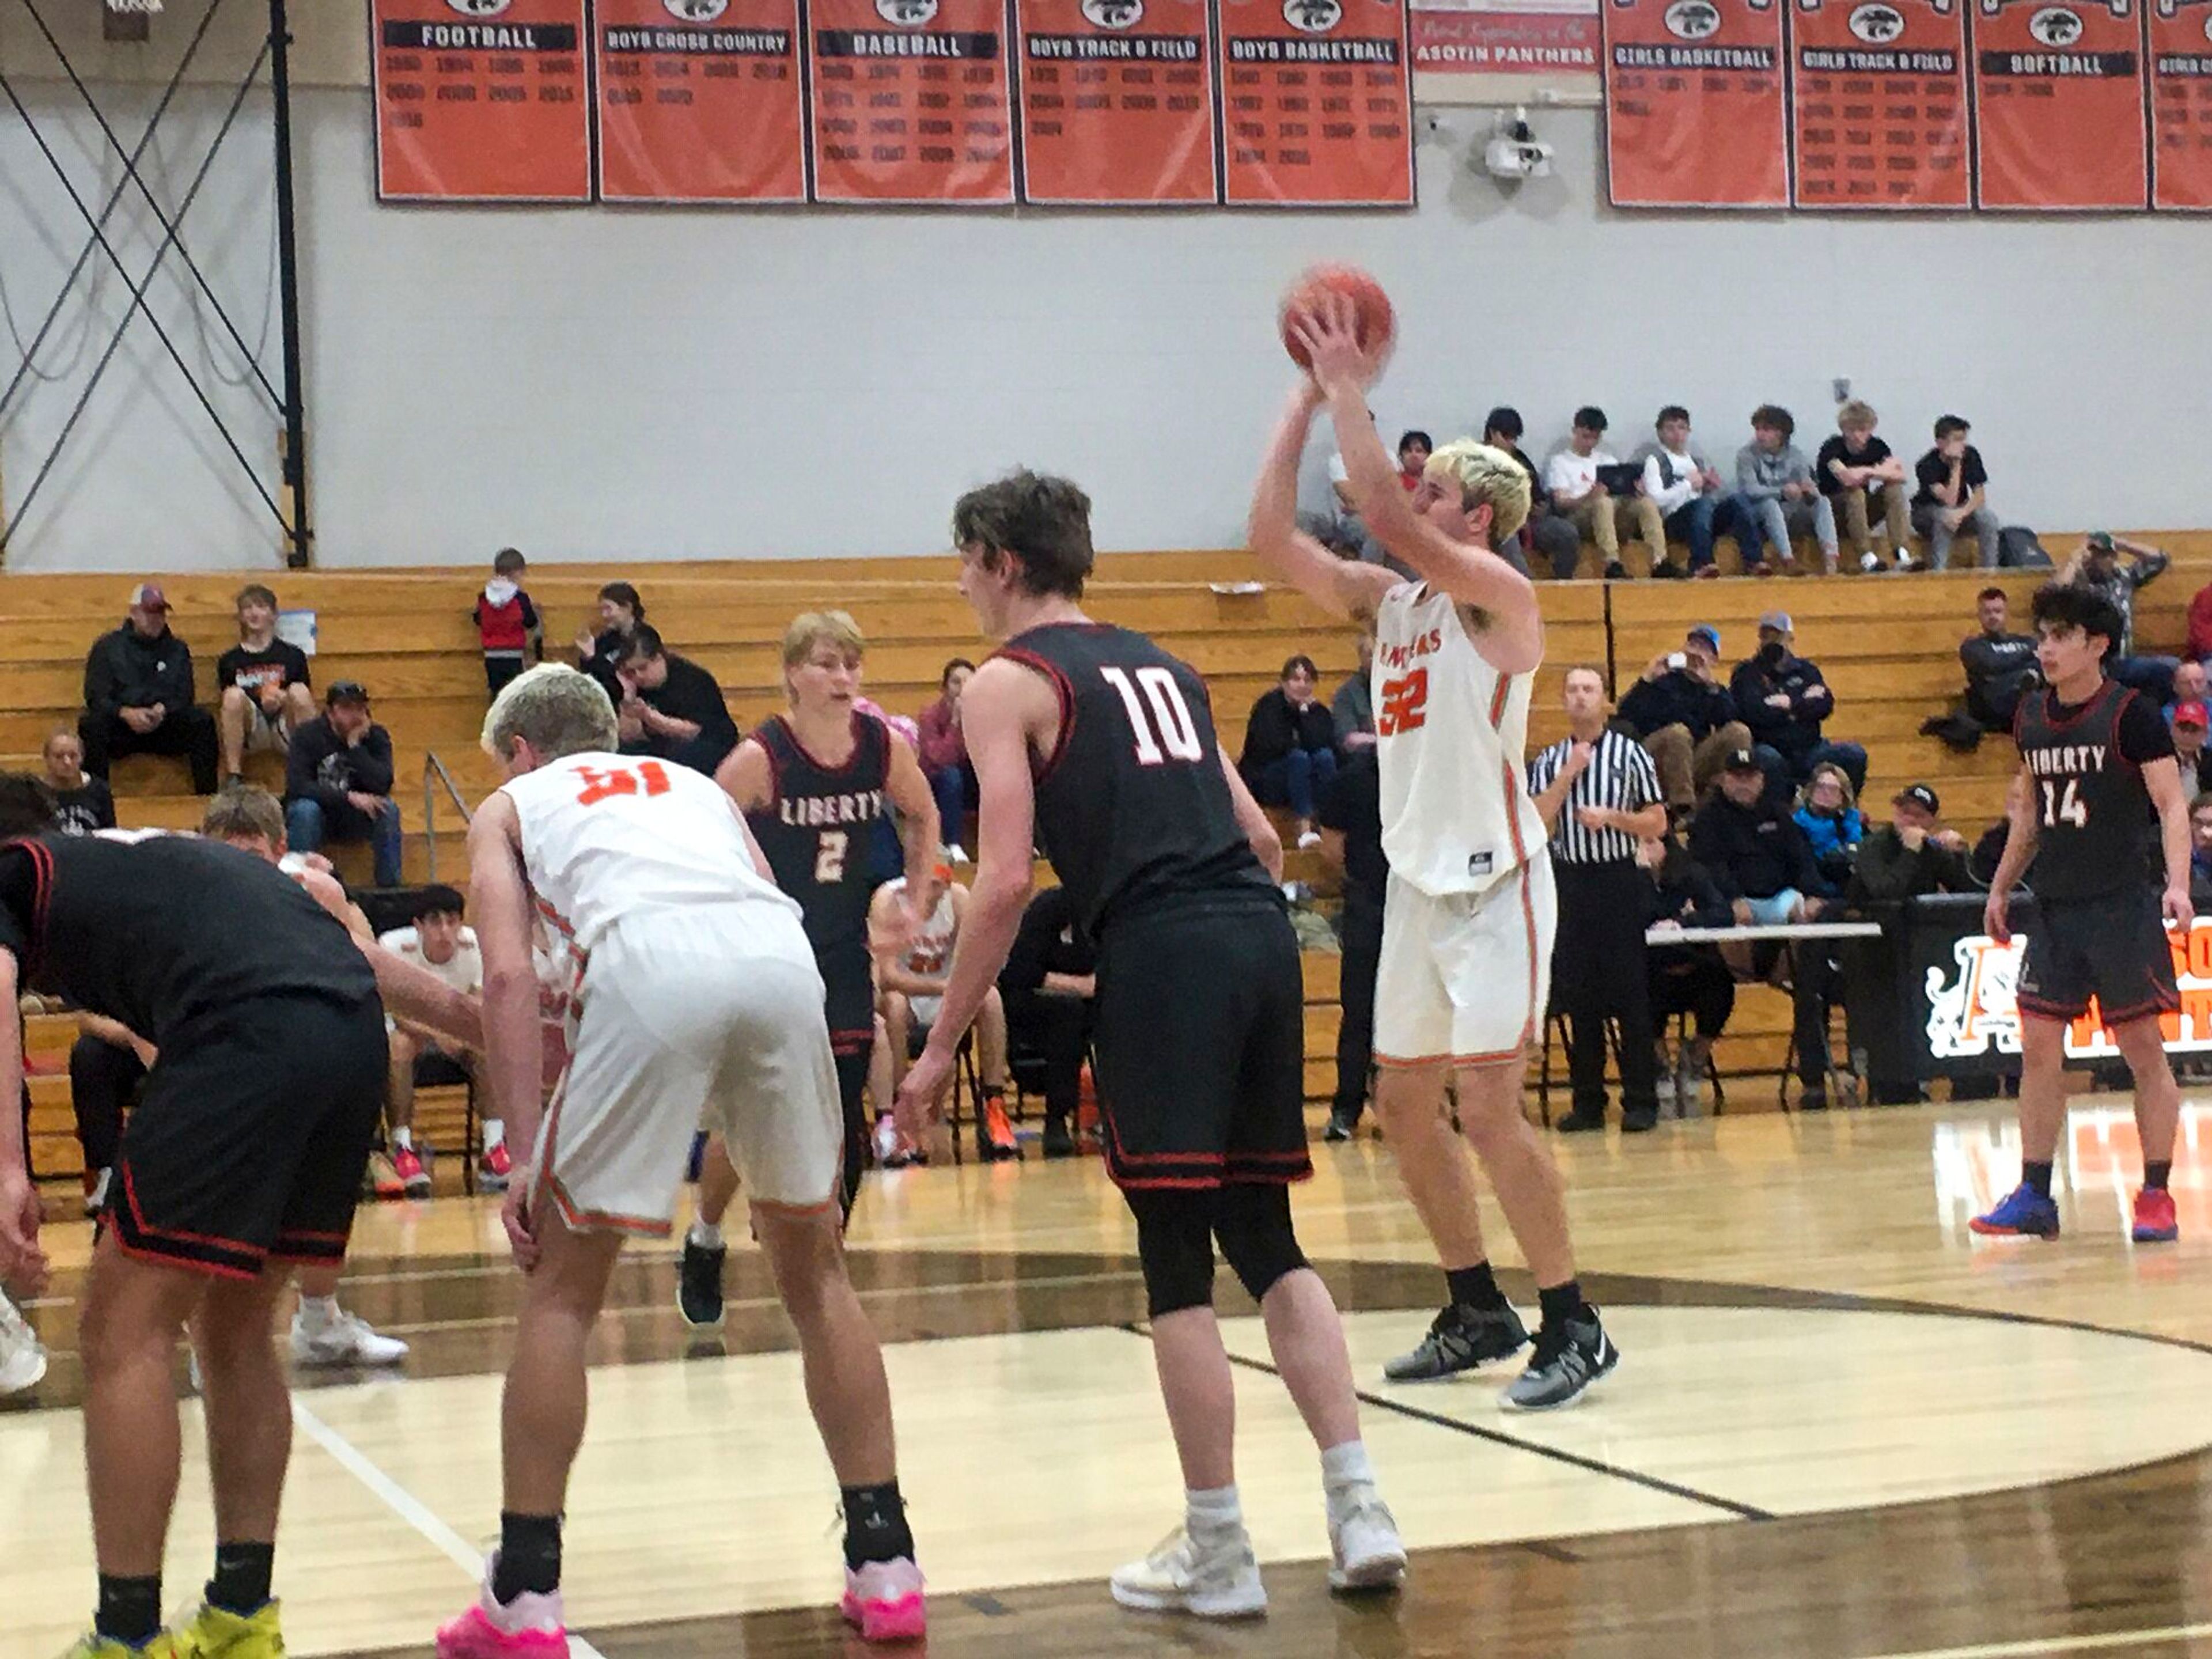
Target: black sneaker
x=1459, y=1339
x=1339, y=1128
x=1058, y=1143
x=1567, y=1360
x=1578, y=1122
x=1638, y=1123
x=1667, y=571
x=1614, y=570
x=699, y=1284
x=1812, y=1100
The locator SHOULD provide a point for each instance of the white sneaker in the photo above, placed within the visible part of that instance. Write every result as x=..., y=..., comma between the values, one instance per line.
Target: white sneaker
x=955, y=853
x=1870, y=561
x=1367, y=1552
x=1663, y=1084
x=1219, y=1579
x=96, y=1199
x=1308, y=838
x=22, y=1356
x=348, y=1340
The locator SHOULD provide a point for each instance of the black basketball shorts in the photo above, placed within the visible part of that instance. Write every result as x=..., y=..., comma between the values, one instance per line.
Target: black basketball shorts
x=849, y=987
x=1200, y=1042
x=251, y=1139
x=2113, y=947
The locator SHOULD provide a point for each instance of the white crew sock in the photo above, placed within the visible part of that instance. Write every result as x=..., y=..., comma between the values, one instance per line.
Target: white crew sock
x=402, y=1140
x=319, y=1313
x=1210, y=1513
x=494, y=1133
x=706, y=1237
x=1348, y=1478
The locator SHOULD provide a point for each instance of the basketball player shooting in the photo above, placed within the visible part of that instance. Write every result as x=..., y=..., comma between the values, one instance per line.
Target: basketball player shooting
x=1469, y=918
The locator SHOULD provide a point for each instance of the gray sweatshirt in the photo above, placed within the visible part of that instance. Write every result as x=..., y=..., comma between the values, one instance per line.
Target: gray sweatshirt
x=1761, y=474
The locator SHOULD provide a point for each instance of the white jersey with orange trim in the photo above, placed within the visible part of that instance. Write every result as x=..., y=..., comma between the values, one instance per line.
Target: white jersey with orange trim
x=1451, y=735
x=929, y=953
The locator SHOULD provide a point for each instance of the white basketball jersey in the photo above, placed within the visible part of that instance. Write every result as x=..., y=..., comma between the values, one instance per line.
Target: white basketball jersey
x=930, y=954
x=605, y=837
x=1451, y=734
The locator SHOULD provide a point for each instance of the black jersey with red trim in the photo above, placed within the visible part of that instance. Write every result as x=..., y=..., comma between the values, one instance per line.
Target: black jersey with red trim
x=2096, y=830
x=1132, y=807
x=815, y=830
x=155, y=930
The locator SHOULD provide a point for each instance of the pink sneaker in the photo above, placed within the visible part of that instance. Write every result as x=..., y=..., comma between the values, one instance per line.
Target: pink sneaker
x=530, y=1628
x=883, y=1598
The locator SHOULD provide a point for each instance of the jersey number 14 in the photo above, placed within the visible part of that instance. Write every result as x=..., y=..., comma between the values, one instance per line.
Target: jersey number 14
x=2067, y=808
x=1161, y=722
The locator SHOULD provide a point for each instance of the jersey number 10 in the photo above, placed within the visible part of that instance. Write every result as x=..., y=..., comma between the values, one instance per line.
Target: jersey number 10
x=2068, y=808
x=1169, y=732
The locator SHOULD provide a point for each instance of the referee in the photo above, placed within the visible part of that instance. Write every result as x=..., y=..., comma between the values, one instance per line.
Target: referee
x=1599, y=794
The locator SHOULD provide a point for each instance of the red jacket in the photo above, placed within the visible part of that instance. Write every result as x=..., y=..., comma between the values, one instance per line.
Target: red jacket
x=2200, y=623
x=505, y=628
x=943, y=744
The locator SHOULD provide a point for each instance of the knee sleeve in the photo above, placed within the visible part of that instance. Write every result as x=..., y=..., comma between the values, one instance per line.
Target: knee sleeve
x=1175, y=1242
x=1254, y=1226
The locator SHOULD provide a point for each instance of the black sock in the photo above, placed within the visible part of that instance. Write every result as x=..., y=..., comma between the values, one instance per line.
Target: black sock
x=240, y=1583
x=2036, y=1177
x=1560, y=1303
x=129, y=1610
x=529, y=1556
x=2155, y=1175
x=1475, y=1286
x=875, y=1524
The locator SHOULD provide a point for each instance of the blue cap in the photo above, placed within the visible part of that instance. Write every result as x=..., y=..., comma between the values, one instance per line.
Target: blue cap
x=1709, y=634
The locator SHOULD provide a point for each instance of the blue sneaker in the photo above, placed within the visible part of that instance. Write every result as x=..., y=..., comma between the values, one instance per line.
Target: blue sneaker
x=2023, y=1211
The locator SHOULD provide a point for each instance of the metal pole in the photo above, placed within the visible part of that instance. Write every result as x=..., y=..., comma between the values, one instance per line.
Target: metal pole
x=300, y=531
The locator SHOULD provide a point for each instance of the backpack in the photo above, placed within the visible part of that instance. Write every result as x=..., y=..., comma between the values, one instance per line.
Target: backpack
x=2018, y=550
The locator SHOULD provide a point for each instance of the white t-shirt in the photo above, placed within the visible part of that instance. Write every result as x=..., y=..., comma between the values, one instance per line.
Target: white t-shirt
x=1688, y=483
x=1568, y=474
x=463, y=971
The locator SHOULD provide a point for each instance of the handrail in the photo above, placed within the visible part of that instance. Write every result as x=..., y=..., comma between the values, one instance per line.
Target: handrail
x=434, y=772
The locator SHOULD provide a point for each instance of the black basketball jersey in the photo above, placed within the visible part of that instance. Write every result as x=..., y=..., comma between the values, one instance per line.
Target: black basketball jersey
x=2096, y=830
x=816, y=831
x=1132, y=807
x=155, y=930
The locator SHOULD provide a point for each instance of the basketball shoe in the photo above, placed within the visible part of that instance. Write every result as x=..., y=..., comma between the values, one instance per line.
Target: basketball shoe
x=884, y=1601
x=528, y=1627
x=2022, y=1212
x=93, y=1645
x=22, y=1356
x=1567, y=1360
x=1365, y=1551
x=699, y=1283
x=329, y=1336
x=996, y=1133
x=213, y=1633
x=414, y=1178
x=1217, y=1577
x=380, y=1179
x=494, y=1169
x=2155, y=1220
x=1459, y=1339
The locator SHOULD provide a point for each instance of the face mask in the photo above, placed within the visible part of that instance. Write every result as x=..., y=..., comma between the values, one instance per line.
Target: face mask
x=1771, y=654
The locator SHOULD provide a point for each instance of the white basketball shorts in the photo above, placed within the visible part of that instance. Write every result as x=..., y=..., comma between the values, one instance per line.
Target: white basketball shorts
x=1465, y=977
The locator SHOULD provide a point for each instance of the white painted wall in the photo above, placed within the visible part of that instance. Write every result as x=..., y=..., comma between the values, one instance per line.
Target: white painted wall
x=599, y=385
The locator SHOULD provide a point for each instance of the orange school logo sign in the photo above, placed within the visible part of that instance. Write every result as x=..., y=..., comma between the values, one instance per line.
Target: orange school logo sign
x=1975, y=1011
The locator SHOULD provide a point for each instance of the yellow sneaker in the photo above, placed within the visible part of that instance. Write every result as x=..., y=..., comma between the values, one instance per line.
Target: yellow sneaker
x=211, y=1633
x=91, y=1645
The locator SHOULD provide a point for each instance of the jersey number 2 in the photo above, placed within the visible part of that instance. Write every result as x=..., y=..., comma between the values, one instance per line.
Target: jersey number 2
x=830, y=857
x=1169, y=732
x=2068, y=808
x=601, y=783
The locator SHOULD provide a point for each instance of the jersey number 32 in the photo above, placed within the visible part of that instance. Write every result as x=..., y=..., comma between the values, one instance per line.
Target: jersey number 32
x=1160, y=721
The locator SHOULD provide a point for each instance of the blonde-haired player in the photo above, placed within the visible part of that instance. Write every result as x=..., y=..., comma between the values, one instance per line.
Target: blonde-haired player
x=696, y=997
x=1467, y=923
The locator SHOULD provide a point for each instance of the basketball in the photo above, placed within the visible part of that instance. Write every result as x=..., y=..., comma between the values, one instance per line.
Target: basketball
x=1378, y=324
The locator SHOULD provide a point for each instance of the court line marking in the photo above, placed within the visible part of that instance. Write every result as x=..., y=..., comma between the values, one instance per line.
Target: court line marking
x=405, y=1504
x=2105, y=1643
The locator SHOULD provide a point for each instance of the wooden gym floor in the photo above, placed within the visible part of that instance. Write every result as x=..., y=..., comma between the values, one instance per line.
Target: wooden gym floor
x=1842, y=1426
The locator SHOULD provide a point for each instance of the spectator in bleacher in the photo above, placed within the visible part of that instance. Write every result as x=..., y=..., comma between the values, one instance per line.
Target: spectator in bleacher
x=913, y=966
x=1777, y=497
x=1290, y=747
x=1546, y=538
x=1353, y=811
x=1752, y=848
x=1050, y=986
x=2189, y=683
x=138, y=695
x=1685, y=717
x=1951, y=496
x=2187, y=723
x=1910, y=855
x=82, y=803
x=2200, y=843
x=266, y=688
x=1684, y=979
x=943, y=751
x=1414, y=448
x=669, y=706
x=620, y=612
x=1579, y=494
x=337, y=782
x=439, y=943
x=1828, y=813
x=1854, y=470
x=107, y=1065
x=1680, y=483
x=2000, y=669
x=2198, y=644
x=1783, y=699
x=2096, y=564
x=507, y=623
x=1351, y=711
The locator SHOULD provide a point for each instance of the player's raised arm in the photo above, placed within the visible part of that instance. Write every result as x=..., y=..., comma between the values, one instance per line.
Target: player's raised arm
x=499, y=900
x=1342, y=587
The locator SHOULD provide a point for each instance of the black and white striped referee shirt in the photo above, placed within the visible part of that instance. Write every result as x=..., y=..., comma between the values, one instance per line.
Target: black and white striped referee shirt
x=1620, y=776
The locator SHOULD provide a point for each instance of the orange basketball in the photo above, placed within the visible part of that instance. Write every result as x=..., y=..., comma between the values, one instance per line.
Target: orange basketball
x=1377, y=322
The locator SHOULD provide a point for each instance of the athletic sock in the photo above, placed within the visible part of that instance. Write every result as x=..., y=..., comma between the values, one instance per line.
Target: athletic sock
x=1475, y=1286
x=705, y=1235
x=875, y=1525
x=129, y=1610
x=1211, y=1511
x=2037, y=1178
x=319, y=1312
x=403, y=1139
x=2155, y=1175
x=529, y=1559
x=494, y=1132
x=1346, y=1477
x=242, y=1572
x=1560, y=1303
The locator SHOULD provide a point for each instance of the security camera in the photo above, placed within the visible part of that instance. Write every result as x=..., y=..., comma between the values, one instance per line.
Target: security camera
x=1514, y=150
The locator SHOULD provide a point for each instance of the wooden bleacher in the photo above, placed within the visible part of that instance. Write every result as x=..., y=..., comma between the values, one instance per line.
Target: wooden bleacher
x=1887, y=645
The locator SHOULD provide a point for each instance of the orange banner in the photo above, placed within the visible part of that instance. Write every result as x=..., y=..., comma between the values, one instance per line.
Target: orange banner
x=2181, y=103
x=2059, y=100
x=700, y=100
x=911, y=102
x=1879, y=90
x=481, y=105
x=1117, y=101
x=1694, y=105
x=1318, y=103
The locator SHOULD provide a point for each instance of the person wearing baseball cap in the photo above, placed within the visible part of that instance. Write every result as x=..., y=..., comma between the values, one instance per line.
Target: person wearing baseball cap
x=337, y=781
x=138, y=695
x=1910, y=855
x=1684, y=717
x=2188, y=721
x=1782, y=697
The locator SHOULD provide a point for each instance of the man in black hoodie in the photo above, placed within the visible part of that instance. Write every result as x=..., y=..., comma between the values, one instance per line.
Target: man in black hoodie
x=1781, y=697
x=138, y=695
x=1685, y=717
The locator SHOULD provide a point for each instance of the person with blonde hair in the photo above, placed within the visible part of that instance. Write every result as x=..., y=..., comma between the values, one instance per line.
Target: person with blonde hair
x=1853, y=469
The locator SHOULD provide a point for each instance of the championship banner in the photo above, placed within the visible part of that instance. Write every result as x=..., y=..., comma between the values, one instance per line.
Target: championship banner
x=1511, y=44
x=1694, y=104
x=480, y=100
x=1318, y=103
x=1117, y=102
x=1972, y=1013
x=700, y=100
x=2181, y=104
x=2058, y=98
x=1879, y=90
x=911, y=102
